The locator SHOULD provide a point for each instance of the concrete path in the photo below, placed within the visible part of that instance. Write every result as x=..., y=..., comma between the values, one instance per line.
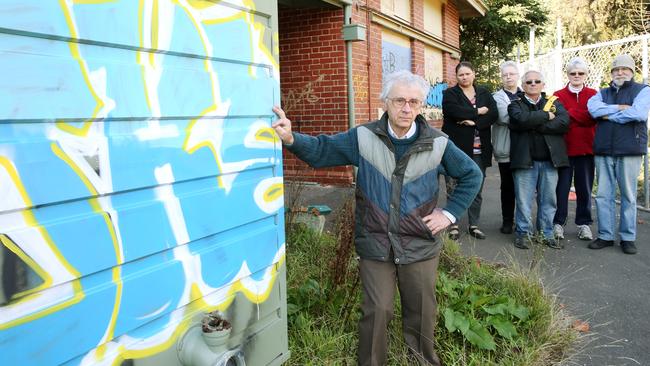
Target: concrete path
x=606, y=288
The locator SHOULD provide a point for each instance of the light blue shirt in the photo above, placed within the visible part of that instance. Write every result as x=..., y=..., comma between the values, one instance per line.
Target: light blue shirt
x=637, y=112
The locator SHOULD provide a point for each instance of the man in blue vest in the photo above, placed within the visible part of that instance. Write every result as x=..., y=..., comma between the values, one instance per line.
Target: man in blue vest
x=396, y=216
x=621, y=112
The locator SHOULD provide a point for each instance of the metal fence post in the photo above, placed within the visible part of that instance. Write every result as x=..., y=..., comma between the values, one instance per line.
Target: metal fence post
x=646, y=165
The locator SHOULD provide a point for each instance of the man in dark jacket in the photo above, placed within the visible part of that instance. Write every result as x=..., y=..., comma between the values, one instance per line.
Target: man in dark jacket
x=399, y=159
x=537, y=149
x=621, y=113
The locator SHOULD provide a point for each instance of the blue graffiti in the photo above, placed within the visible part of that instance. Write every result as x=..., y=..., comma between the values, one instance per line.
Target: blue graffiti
x=434, y=98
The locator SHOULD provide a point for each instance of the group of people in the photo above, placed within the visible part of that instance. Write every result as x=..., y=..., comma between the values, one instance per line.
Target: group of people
x=400, y=158
x=544, y=145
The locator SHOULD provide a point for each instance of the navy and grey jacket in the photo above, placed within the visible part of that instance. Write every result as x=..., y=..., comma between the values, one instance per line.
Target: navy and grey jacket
x=623, y=133
x=393, y=196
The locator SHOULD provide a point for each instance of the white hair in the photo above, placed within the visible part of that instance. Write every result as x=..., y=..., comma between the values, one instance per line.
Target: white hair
x=523, y=78
x=508, y=64
x=404, y=77
x=576, y=63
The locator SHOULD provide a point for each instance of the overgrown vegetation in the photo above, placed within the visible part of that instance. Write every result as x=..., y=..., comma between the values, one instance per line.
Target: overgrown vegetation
x=487, y=314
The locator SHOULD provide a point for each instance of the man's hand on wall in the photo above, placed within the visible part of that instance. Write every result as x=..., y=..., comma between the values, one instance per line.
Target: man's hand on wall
x=282, y=126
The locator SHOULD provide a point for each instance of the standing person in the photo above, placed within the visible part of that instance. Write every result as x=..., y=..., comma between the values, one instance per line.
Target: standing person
x=469, y=111
x=396, y=219
x=579, y=144
x=501, y=141
x=621, y=113
x=537, y=149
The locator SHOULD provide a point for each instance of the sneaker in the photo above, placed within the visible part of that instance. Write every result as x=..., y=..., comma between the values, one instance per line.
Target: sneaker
x=506, y=228
x=584, y=232
x=553, y=243
x=476, y=232
x=600, y=244
x=453, y=233
x=520, y=242
x=628, y=247
x=558, y=231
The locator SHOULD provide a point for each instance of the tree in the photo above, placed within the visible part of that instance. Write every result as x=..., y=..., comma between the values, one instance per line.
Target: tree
x=486, y=41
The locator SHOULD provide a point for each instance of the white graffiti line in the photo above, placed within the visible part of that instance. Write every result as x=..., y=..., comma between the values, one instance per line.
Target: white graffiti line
x=32, y=242
x=269, y=194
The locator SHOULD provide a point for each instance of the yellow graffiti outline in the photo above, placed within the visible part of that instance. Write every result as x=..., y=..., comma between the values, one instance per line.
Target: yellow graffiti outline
x=76, y=54
x=29, y=217
x=273, y=192
x=266, y=134
x=96, y=207
x=90, y=2
x=47, y=279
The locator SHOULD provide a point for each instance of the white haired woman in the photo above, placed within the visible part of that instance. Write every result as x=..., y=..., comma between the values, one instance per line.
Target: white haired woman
x=579, y=142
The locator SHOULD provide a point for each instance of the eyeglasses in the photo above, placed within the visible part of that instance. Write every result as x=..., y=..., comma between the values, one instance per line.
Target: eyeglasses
x=577, y=73
x=400, y=102
x=509, y=74
x=529, y=82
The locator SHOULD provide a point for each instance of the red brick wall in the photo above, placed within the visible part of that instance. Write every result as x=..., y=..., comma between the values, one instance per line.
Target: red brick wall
x=313, y=74
x=313, y=83
x=451, y=35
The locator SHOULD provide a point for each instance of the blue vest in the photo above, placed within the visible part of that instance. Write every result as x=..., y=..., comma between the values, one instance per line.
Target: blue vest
x=616, y=139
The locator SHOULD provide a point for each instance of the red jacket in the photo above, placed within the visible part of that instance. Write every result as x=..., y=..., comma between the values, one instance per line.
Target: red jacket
x=582, y=128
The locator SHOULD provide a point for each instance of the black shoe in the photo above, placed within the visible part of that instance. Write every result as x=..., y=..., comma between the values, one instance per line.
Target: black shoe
x=476, y=232
x=520, y=242
x=600, y=244
x=506, y=228
x=628, y=247
x=553, y=243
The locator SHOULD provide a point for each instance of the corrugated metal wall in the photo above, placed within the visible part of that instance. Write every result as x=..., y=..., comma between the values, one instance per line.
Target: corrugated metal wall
x=140, y=182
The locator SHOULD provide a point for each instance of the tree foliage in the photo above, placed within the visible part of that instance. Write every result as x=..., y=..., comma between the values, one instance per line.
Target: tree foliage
x=592, y=21
x=485, y=41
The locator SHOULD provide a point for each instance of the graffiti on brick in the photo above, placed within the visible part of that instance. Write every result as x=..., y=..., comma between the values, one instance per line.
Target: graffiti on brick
x=434, y=98
x=294, y=97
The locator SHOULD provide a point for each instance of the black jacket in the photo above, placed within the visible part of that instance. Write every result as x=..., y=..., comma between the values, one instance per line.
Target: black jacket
x=528, y=121
x=456, y=107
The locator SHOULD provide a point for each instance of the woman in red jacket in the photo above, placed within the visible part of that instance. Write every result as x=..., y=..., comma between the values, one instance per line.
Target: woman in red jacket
x=579, y=142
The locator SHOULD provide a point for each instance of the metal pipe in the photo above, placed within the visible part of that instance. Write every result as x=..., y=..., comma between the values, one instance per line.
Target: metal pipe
x=646, y=164
x=347, y=14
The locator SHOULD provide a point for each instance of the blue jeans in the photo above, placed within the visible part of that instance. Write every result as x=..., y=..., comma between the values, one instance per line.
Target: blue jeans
x=610, y=172
x=581, y=173
x=540, y=179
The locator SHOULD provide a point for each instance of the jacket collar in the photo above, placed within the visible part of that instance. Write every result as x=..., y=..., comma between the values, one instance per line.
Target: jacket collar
x=425, y=132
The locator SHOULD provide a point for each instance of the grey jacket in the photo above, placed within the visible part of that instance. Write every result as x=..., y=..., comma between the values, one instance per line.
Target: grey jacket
x=500, y=130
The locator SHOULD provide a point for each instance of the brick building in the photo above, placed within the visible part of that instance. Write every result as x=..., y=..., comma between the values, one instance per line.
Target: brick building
x=418, y=35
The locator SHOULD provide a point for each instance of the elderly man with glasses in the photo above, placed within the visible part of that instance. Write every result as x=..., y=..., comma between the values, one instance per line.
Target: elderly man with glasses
x=621, y=112
x=399, y=158
x=537, y=150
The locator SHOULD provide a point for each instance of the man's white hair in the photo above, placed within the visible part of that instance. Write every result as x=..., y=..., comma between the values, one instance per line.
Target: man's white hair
x=523, y=78
x=404, y=77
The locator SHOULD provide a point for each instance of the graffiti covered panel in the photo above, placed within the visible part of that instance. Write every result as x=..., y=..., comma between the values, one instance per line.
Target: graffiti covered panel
x=140, y=181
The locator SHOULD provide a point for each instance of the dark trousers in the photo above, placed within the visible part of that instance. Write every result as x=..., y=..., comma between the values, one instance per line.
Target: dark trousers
x=581, y=172
x=474, y=210
x=417, y=288
x=507, y=193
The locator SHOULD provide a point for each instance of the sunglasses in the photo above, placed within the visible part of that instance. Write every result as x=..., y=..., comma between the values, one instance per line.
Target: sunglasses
x=529, y=82
x=577, y=73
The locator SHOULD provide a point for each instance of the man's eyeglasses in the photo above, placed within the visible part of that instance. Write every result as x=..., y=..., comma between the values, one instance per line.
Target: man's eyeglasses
x=579, y=73
x=509, y=74
x=529, y=82
x=400, y=102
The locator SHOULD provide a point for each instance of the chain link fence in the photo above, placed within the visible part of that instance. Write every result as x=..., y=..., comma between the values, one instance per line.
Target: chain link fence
x=599, y=58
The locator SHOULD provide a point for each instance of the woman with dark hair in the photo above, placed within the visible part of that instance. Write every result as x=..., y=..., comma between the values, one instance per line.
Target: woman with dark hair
x=469, y=112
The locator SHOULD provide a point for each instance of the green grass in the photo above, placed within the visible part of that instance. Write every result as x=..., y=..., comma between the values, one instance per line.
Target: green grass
x=324, y=308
